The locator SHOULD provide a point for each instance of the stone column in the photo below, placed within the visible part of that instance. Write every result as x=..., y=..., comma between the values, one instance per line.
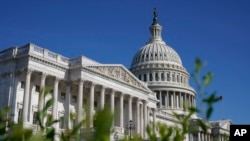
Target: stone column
x=112, y=101
x=26, y=96
x=91, y=105
x=154, y=120
x=175, y=101
x=153, y=76
x=67, y=106
x=145, y=118
x=121, y=110
x=55, y=96
x=142, y=120
x=198, y=136
x=138, y=116
x=41, y=95
x=102, y=99
x=172, y=100
x=166, y=100
x=129, y=107
x=160, y=99
x=80, y=101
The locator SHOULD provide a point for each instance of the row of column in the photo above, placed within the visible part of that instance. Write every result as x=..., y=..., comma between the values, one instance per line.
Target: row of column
x=200, y=136
x=167, y=76
x=173, y=99
x=140, y=127
x=26, y=99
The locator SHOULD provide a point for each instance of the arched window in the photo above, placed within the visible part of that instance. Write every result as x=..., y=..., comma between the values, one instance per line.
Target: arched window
x=139, y=77
x=162, y=76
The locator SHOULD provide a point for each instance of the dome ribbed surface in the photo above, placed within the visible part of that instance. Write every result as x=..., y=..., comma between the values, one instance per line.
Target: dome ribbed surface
x=156, y=52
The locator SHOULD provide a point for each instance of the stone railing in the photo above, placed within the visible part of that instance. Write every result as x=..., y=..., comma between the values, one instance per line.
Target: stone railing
x=38, y=51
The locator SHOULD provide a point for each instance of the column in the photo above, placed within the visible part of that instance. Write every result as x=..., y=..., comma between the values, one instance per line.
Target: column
x=172, y=100
x=166, y=100
x=142, y=120
x=153, y=76
x=154, y=120
x=67, y=106
x=102, y=99
x=160, y=99
x=80, y=101
x=121, y=110
x=41, y=95
x=174, y=103
x=112, y=101
x=129, y=107
x=199, y=139
x=177, y=101
x=91, y=105
x=145, y=119
x=26, y=96
x=55, y=96
x=138, y=116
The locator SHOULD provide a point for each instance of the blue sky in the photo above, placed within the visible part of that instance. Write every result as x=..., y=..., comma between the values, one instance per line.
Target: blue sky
x=112, y=31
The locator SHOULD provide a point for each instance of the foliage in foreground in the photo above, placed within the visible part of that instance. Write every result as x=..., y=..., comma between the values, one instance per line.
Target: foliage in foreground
x=104, y=120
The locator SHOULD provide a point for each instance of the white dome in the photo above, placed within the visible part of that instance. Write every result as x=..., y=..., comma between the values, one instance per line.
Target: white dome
x=156, y=53
x=156, y=50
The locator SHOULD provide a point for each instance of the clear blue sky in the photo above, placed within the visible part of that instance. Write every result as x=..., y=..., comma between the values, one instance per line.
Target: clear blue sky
x=111, y=31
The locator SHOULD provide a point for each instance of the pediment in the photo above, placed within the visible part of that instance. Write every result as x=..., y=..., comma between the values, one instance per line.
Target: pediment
x=119, y=73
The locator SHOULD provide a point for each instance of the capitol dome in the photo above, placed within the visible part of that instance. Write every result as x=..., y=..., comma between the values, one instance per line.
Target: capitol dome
x=156, y=50
x=160, y=67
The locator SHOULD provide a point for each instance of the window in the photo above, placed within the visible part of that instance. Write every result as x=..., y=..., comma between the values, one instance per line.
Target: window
x=74, y=98
x=178, y=78
x=150, y=77
x=35, y=114
x=22, y=84
x=63, y=96
x=173, y=77
x=61, y=122
x=20, y=111
x=37, y=88
x=139, y=77
x=145, y=78
x=168, y=77
x=162, y=76
x=156, y=77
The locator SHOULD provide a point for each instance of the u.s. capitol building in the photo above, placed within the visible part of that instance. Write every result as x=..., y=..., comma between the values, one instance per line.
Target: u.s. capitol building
x=155, y=86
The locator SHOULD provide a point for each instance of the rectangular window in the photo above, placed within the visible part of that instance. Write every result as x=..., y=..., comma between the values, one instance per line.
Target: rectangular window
x=20, y=111
x=63, y=96
x=61, y=122
x=35, y=114
x=162, y=76
x=37, y=88
x=156, y=77
x=145, y=78
x=168, y=77
x=150, y=77
x=74, y=98
x=22, y=84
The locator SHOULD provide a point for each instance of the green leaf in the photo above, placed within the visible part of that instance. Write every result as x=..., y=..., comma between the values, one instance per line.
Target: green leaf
x=207, y=79
x=198, y=64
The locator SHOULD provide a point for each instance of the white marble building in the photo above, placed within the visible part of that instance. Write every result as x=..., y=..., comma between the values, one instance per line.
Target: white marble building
x=156, y=85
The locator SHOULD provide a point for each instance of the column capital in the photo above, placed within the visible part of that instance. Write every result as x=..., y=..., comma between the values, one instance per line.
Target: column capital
x=29, y=70
x=44, y=75
x=57, y=79
x=92, y=85
x=80, y=81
